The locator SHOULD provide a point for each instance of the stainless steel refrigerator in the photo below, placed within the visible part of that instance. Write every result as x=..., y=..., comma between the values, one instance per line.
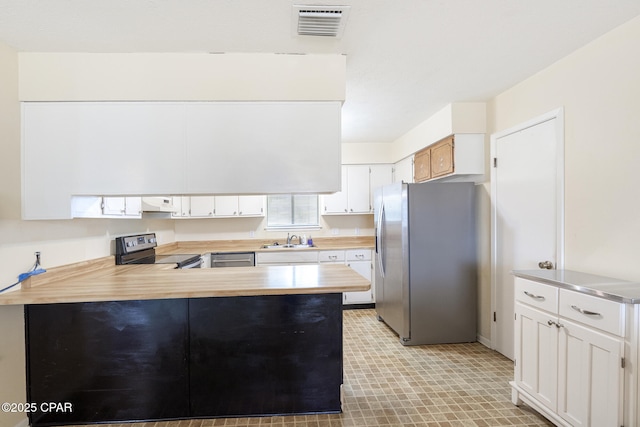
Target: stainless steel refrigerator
x=426, y=267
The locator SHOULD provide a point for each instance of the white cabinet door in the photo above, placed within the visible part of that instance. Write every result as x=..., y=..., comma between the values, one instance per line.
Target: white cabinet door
x=536, y=354
x=358, y=200
x=403, y=170
x=182, y=204
x=133, y=206
x=226, y=206
x=251, y=205
x=355, y=195
x=380, y=175
x=359, y=260
x=336, y=203
x=589, y=376
x=113, y=205
x=201, y=206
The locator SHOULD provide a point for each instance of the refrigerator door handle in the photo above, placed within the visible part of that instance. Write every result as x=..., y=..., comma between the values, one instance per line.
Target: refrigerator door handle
x=380, y=240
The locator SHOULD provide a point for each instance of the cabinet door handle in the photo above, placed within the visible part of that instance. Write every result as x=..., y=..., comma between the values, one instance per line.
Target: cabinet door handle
x=587, y=312
x=557, y=325
x=538, y=297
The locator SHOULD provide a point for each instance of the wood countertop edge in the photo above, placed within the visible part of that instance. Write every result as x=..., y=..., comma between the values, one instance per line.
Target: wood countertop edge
x=170, y=284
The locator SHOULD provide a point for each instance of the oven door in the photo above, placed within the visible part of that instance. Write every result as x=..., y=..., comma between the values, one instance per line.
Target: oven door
x=192, y=264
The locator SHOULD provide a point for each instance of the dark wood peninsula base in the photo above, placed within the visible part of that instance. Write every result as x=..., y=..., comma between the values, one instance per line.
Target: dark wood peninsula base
x=184, y=358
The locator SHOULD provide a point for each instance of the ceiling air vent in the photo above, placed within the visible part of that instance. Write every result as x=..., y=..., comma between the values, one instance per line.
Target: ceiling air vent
x=324, y=21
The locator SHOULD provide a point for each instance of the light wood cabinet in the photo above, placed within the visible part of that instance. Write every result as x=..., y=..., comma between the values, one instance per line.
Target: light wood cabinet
x=569, y=355
x=458, y=157
x=422, y=165
x=442, y=158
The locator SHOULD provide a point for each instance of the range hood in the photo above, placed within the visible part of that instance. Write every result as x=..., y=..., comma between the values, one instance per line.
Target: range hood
x=157, y=204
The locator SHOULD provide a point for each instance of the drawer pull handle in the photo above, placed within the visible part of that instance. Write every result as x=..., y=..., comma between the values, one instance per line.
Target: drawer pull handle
x=587, y=312
x=530, y=295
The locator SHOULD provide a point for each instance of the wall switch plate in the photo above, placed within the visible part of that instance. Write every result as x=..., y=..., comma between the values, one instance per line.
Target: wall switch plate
x=335, y=231
x=252, y=233
x=357, y=231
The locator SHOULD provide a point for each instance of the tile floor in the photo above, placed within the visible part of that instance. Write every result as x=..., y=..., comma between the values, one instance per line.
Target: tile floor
x=387, y=384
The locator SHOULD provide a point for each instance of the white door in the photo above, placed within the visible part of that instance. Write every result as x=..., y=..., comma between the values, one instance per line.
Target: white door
x=527, y=211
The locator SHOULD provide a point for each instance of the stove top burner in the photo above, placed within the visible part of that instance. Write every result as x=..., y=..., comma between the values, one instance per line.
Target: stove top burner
x=140, y=249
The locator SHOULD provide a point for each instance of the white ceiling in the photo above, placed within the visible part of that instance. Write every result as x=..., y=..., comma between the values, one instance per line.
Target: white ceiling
x=406, y=59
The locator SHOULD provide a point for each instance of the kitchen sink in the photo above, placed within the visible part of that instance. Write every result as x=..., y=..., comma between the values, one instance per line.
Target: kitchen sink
x=289, y=246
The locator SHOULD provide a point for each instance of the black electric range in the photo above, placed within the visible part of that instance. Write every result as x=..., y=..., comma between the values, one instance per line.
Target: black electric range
x=140, y=249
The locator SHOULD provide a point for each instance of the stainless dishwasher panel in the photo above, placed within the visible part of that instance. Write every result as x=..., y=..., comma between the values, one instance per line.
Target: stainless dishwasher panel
x=233, y=259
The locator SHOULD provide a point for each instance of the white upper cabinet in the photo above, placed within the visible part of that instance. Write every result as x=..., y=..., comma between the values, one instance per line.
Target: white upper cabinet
x=251, y=205
x=337, y=202
x=403, y=170
x=202, y=206
x=380, y=176
x=157, y=148
x=218, y=206
x=354, y=197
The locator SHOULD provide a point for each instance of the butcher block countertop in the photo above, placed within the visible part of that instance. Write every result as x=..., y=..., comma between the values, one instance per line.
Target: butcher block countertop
x=142, y=282
x=102, y=280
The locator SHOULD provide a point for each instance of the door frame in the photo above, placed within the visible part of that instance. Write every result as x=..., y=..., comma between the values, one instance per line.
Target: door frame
x=558, y=115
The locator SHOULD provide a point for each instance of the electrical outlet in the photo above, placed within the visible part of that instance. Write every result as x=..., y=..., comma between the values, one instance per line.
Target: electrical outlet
x=335, y=231
x=252, y=233
x=357, y=231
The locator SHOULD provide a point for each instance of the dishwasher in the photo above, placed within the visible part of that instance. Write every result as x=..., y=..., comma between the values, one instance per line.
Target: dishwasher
x=233, y=259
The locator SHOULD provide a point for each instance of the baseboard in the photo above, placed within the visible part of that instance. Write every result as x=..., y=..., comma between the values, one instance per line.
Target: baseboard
x=358, y=306
x=484, y=341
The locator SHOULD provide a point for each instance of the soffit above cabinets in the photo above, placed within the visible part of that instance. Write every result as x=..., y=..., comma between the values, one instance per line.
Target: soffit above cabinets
x=164, y=148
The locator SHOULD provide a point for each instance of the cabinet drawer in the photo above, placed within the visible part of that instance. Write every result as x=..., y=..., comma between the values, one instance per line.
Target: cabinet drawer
x=331, y=256
x=593, y=311
x=544, y=297
x=358, y=255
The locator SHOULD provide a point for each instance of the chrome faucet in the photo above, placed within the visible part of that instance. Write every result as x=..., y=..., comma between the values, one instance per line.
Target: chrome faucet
x=289, y=238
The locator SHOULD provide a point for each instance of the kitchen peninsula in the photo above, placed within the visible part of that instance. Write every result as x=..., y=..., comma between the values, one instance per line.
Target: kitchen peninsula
x=146, y=342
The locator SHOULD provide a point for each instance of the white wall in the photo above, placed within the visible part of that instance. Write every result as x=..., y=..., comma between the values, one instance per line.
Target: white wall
x=181, y=77
x=599, y=88
x=461, y=117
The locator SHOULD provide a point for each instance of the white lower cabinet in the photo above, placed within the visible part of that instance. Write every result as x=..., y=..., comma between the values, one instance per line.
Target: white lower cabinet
x=569, y=355
x=358, y=259
x=590, y=376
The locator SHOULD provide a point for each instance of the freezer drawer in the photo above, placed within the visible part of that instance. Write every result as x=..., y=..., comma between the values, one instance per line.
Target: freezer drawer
x=233, y=259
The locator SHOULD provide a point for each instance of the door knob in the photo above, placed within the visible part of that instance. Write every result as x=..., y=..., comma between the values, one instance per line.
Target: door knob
x=548, y=265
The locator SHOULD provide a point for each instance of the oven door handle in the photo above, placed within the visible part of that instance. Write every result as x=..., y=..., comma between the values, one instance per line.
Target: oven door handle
x=193, y=264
